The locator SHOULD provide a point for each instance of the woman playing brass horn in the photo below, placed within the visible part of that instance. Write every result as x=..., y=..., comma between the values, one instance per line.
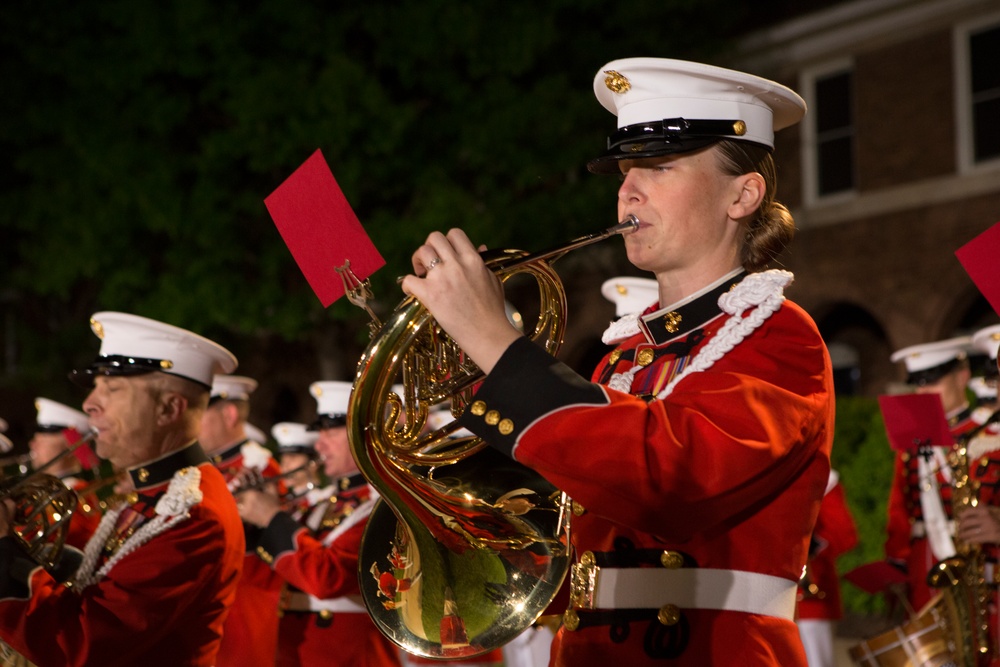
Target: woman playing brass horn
x=699, y=452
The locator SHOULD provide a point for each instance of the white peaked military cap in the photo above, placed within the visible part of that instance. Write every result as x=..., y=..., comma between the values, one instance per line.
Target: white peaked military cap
x=929, y=362
x=630, y=295
x=983, y=389
x=53, y=417
x=294, y=437
x=255, y=433
x=673, y=106
x=987, y=340
x=233, y=387
x=133, y=345
x=332, y=398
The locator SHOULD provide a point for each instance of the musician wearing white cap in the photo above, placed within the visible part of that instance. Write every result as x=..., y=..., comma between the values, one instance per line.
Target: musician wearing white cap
x=984, y=385
x=59, y=427
x=157, y=578
x=250, y=635
x=920, y=527
x=698, y=457
x=316, y=552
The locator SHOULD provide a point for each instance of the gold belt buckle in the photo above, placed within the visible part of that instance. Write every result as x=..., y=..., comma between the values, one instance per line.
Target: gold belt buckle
x=583, y=582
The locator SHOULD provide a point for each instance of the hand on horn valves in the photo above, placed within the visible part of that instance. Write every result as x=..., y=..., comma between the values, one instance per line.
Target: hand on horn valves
x=451, y=280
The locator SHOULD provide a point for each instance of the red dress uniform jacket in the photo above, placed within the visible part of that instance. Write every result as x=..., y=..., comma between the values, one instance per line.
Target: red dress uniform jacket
x=324, y=619
x=250, y=637
x=726, y=472
x=87, y=514
x=835, y=534
x=906, y=543
x=162, y=602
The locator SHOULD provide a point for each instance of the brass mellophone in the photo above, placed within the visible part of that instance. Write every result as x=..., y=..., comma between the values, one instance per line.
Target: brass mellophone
x=444, y=517
x=43, y=508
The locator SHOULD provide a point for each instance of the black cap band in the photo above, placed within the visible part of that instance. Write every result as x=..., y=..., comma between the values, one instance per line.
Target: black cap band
x=664, y=137
x=119, y=364
x=931, y=375
x=327, y=421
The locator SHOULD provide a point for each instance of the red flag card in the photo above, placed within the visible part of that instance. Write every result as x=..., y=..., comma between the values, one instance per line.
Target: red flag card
x=875, y=577
x=320, y=229
x=915, y=420
x=979, y=258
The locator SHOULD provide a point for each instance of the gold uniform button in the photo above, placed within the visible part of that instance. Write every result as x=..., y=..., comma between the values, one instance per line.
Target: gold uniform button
x=669, y=614
x=506, y=427
x=578, y=509
x=492, y=417
x=571, y=620
x=587, y=558
x=325, y=614
x=671, y=560
x=478, y=408
x=645, y=357
x=985, y=461
x=905, y=456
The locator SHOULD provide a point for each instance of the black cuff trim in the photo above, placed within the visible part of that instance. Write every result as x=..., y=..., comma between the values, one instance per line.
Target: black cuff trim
x=525, y=384
x=279, y=536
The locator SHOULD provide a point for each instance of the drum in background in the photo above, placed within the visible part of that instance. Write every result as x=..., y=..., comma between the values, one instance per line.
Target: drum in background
x=920, y=642
x=11, y=658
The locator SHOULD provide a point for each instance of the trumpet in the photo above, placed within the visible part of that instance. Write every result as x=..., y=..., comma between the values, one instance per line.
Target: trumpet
x=251, y=479
x=446, y=517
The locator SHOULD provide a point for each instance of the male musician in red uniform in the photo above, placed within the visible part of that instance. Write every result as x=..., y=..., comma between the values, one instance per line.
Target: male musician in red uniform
x=250, y=636
x=818, y=597
x=57, y=424
x=156, y=580
x=324, y=618
x=920, y=529
x=699, y=454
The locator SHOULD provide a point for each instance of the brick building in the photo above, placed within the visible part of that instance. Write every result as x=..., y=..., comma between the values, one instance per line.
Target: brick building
x=896, y=166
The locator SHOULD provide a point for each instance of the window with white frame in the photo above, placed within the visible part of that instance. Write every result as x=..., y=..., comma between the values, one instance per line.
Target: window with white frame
x=834, y=132
x=984, y=92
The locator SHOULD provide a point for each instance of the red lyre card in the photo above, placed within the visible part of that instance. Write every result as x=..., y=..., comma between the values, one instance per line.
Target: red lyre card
x=320, y=229
x=979, y=259
x=915, y=420
x=875, y=577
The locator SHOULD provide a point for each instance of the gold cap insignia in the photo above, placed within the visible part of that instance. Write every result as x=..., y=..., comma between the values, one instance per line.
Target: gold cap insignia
x=97, y=328
x=616, y=82
x=166, y=363
x=739, y=128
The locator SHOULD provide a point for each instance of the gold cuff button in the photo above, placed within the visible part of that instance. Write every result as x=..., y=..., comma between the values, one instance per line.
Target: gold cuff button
x=478, y=408
x=506, y=427
x=492, y=417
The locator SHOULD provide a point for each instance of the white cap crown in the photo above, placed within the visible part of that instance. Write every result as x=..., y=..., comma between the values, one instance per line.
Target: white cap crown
x=630, y=295
x=56, y=416
x=233, y=387
x=131, y=344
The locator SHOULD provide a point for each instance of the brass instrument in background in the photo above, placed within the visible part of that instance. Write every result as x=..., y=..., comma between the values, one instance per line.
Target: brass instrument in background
x=467, y=547
x=961, y=578
x=43, y=508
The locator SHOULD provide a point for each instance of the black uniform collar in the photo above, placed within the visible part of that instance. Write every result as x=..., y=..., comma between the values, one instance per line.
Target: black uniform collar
x=683, y=317
x=349, y=482
x=229, y=452
x=162, y=469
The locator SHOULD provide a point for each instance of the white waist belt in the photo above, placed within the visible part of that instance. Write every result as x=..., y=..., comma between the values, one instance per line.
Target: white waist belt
x=918, y=529
x=297, y=601
x=695, y=588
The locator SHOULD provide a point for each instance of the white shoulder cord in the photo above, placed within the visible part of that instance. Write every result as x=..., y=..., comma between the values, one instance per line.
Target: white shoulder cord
x=765, y=290
x=173, y=507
